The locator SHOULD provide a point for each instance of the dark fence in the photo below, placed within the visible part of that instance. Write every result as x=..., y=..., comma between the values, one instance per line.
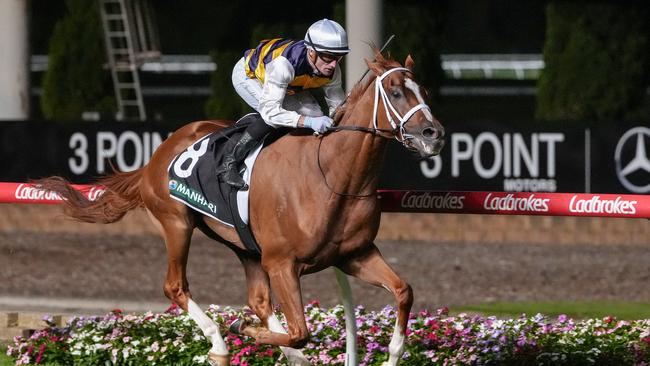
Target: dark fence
x=480, y=155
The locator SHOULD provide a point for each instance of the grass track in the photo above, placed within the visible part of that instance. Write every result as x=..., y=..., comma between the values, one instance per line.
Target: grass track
x=574, y=309
x=4, y=359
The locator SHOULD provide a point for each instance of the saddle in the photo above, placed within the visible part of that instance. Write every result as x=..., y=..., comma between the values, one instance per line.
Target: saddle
x=193, y=180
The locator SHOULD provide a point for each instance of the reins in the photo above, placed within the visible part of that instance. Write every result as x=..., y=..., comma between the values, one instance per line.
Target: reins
x=385, y=133
x=322, y=172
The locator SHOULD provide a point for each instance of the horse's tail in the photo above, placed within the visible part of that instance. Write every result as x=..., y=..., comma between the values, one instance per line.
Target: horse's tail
x=121, y=194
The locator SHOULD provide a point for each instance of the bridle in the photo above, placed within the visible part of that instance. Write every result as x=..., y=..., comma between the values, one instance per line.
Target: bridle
x=398, y=131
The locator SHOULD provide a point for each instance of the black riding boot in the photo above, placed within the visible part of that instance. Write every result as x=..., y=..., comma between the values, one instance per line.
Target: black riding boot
x=229, y=169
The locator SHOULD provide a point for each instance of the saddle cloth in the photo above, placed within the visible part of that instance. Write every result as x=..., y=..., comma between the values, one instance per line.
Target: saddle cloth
x=193, y=180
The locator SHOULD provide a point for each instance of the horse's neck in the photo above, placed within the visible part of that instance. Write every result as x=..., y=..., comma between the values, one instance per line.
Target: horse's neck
x=356, y=156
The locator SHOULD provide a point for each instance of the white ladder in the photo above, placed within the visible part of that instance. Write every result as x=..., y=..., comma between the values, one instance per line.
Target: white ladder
x=122, y=60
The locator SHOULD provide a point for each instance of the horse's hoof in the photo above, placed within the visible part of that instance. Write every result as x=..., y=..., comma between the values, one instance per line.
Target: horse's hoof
x=239, y=325
x=218, y=360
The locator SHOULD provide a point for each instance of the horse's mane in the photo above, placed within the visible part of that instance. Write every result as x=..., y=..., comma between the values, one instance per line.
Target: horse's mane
x=363, y=84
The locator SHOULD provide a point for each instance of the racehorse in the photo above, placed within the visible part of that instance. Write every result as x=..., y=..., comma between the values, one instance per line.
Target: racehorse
x=313, y=205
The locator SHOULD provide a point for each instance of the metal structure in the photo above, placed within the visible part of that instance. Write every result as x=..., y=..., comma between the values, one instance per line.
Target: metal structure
x=131, y=39
x=493, y=66
x=14, y=72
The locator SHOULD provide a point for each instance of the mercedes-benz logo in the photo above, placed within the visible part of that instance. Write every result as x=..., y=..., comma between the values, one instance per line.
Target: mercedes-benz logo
x=640, y=160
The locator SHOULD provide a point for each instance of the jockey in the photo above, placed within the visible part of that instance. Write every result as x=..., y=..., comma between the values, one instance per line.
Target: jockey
x=273, y=79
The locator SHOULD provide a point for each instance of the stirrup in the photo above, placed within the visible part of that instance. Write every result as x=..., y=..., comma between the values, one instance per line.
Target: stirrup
x=229, y=163
x=233, y=179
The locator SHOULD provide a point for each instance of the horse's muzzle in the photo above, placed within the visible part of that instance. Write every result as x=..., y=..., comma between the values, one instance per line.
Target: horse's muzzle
x=431, y=141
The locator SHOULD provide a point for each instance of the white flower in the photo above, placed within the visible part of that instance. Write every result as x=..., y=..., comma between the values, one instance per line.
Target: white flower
x=199, y=359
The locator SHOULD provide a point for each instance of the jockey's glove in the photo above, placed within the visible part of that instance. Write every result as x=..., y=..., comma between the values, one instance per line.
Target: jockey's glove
x=318, y=124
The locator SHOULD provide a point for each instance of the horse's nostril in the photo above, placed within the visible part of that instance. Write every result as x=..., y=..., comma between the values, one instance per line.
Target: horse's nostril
x=430, y=133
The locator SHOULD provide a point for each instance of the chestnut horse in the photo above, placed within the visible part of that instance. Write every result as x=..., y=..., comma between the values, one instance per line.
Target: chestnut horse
x=313, y=206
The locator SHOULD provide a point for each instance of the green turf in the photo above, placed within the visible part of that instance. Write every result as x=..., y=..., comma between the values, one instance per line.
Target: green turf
x=574, y=309
x=4, y=359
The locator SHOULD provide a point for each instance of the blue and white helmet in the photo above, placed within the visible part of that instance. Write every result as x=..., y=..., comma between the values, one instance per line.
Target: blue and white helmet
x=327, y=36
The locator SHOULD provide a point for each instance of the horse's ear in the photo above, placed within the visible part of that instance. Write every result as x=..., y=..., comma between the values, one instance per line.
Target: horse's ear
x=375, y=67
x=409, y=63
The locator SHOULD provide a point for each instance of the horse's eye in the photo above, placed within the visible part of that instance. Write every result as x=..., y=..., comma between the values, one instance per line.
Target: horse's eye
x=396, y=93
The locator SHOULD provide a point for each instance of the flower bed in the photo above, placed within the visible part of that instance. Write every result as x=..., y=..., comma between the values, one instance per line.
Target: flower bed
x=172, y=338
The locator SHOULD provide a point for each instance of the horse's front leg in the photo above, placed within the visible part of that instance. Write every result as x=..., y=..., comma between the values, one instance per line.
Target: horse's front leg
x=286, y=287
x=259, y=299
x=370, y=266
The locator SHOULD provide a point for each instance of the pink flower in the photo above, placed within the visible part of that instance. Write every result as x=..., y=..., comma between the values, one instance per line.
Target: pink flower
x=172, y=309
x=41, y=350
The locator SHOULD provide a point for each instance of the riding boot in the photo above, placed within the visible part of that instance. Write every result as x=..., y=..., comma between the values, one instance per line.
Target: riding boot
x=229, y=169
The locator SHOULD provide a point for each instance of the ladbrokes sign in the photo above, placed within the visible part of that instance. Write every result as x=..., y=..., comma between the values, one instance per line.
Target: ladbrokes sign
x=517, y=203
x=428, y=200
x=512, y=203
x=28, y=192
x=598, y=205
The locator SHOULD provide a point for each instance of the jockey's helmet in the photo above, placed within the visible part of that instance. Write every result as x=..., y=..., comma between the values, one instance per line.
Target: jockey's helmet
x=327, y=36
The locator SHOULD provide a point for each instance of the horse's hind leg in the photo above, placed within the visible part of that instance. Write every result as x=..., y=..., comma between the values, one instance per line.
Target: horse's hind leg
x=177, y=232
x=370, y=266
x=259, y=299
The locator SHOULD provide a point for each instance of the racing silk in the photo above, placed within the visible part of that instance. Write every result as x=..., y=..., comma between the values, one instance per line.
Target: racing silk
x=281, y=65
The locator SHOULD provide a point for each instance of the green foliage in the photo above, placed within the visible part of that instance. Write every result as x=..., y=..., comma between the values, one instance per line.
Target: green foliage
x=263, y=31
x=418, y=32
x=76, y=80
x=224, y=103
x=597, y=58
x=433, y=338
